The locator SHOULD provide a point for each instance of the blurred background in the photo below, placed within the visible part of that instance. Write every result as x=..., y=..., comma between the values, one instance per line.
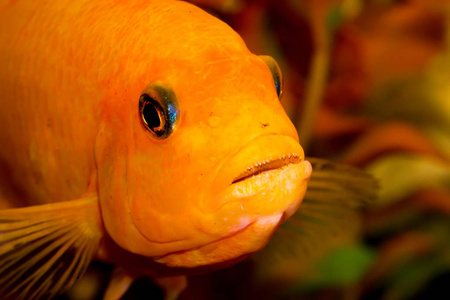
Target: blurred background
x=367, y=83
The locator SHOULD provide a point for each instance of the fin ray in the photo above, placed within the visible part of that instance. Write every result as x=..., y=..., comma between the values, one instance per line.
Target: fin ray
x=334, y=181
x=18, y=236
x=47, y=268
x=44, y=249
x=41, y=238
x=60, y=242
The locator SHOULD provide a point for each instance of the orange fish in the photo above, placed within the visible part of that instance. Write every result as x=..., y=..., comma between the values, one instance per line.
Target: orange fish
x=143, y=133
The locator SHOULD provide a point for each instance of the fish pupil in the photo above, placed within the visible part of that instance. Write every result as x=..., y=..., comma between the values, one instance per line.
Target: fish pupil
x=152, y=116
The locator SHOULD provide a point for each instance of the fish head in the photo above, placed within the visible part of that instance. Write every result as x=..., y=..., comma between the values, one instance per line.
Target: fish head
x=199, y=164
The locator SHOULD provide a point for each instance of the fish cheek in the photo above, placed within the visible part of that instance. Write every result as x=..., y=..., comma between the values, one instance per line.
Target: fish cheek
x=129, y=196
x=164, y=207
x=111, y=152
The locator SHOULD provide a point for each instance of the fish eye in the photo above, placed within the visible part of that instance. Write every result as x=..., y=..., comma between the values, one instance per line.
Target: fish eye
x=158, y=109
x=276, y=73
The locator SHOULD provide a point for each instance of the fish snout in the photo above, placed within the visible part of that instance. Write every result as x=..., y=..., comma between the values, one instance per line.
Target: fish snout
x=267, y=178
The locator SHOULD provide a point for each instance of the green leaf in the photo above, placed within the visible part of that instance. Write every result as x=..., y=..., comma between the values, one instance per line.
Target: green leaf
x=342, y=267
x=413, y=278
x=334, y=18
x=401, y=175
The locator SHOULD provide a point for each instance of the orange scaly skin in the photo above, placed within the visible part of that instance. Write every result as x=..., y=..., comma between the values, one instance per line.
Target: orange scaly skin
x=71, y=76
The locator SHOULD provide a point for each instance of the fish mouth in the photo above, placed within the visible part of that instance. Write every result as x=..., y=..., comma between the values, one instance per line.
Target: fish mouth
x=267, y=166
x=261, y=178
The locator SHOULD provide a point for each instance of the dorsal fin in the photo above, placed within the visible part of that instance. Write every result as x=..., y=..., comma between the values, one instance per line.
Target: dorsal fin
x=44, y=249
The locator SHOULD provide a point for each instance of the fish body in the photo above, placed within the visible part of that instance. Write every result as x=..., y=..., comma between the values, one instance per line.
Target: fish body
x=147, y=124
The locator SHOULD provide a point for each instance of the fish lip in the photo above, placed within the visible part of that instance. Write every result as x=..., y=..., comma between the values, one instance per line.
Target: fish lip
x=268, y=165
x=268, y=146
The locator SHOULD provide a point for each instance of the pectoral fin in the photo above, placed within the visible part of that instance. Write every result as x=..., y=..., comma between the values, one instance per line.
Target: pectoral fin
x=340, y=184
x=329, y=209
x=119, y=284
x=172, y=286
x=44, y=249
